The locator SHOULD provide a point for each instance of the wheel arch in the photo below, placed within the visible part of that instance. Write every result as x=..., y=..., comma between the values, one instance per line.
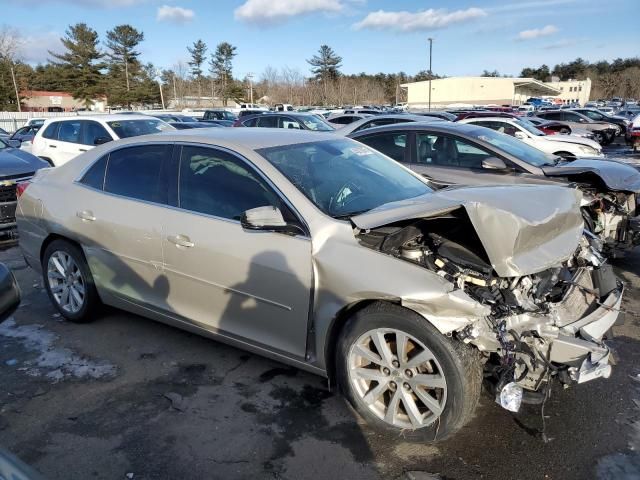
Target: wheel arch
x=55, y=236
x=335, y=329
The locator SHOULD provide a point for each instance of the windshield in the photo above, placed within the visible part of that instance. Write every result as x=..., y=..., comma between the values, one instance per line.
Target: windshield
x=314, y=123
x=529, y=127
x=135, y=128
x=514, y=147
x=342, y=177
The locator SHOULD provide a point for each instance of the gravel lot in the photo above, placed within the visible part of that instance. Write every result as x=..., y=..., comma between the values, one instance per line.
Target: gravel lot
x=125, y=397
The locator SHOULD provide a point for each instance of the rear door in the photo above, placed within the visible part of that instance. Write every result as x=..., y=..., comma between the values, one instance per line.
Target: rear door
x=118, y=220
x=68, y=145
x=249, y=285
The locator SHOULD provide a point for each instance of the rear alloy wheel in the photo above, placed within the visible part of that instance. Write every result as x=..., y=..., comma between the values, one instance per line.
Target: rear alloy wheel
x=564, y=131
x=403, y=376
x=599, y=137
x=68, y=281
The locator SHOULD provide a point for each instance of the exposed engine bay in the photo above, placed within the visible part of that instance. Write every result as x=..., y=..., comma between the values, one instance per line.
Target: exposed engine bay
x=546, y=325
x=611, y=216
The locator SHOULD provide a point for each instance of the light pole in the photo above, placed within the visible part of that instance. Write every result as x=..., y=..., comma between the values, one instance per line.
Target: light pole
x=250, y=77
x=430, y=74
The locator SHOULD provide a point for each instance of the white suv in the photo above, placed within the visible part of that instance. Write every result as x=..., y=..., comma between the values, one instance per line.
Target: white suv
x=61, y=139
x=566, y=146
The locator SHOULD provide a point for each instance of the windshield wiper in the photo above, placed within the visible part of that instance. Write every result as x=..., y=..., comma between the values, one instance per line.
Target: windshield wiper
x=347, y=216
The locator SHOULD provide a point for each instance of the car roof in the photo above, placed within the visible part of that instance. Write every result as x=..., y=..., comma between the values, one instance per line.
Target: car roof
x=484, y=119
x=440, y=127
x=252, y=138
x=106, y=117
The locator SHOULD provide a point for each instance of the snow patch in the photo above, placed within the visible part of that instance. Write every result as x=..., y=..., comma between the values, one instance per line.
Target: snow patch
x=53, y=362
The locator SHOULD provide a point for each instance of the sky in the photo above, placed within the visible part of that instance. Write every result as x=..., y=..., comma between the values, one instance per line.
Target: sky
x=370, y=35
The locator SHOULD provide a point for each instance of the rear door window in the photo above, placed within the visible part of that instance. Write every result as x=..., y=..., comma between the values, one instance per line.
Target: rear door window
x=392, y=144
x=69, y=131
x=140, y=172
x=268, y=122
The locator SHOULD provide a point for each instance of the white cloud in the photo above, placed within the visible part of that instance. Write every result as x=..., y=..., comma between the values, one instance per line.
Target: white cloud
x=537, y=32
x=431, y=19
x=93, y=3
x=561, y=44
x=174, y=14
x=35, y=48
x=275, y=11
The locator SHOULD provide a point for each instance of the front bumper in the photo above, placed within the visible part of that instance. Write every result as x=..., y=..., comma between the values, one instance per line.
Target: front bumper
x=580, y=344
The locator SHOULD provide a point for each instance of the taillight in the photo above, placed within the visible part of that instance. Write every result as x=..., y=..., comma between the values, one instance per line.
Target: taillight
x=21, y=187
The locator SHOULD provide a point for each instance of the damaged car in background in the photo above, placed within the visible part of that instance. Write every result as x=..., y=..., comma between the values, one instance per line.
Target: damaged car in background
x=322, y=253
x=458, y=154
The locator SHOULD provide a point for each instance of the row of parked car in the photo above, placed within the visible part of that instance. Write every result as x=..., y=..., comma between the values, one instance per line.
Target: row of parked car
x=408, y=258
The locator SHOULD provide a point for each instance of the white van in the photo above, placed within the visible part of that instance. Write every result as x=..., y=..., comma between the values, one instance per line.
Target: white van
x=61, y=139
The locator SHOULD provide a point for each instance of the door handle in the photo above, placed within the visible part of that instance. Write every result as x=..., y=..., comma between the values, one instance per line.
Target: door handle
x=86, y=215
x=181, y=241
x=53, y=146
x=82, y=149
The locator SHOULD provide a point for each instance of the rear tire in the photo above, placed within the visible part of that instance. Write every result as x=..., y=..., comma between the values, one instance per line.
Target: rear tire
x=600, y=138
x=564, y=131
x=69, y=282
x=425, y=391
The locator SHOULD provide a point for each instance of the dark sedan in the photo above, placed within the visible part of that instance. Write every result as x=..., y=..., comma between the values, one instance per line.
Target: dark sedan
x=456, y=154
x=622, y=122
x=297, y=121
x=189, y=125
x=15, y=166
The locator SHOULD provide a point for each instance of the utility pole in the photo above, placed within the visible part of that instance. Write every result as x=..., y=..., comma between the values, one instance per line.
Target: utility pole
x=175, y=92
x=430, y=72
x=159, y=78
x=15, y=87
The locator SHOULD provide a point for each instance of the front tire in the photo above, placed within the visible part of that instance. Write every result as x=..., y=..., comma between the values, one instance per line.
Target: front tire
x=402, y=375
x=69, y=282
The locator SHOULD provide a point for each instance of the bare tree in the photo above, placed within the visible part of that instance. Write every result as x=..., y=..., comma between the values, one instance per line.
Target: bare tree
x=10, y=44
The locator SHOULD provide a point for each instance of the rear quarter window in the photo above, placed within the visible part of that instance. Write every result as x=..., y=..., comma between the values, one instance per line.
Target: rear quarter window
x=94, y=177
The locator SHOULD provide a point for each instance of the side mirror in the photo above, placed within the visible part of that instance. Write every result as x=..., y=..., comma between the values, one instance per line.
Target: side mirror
x=101, y=140
x=9, y=293
x=494, y=163
x=520, y=135
x=15, y=143
x=268, y=219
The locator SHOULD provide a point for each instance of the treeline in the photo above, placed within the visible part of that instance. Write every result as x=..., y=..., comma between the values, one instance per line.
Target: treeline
x=91, y=68
x=619, y=78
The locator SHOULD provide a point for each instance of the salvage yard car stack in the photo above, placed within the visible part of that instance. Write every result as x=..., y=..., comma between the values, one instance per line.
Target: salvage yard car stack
x=321, y=252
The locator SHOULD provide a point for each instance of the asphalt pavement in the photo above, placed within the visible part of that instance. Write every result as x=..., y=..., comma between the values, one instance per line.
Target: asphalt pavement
x=124, y=397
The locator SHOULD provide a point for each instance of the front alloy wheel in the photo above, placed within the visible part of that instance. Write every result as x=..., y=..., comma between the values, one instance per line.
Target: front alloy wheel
x=65, y=282
x=398, y=378
x=405, y=377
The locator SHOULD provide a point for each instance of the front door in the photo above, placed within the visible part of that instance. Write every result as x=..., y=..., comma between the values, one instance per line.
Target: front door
x=250, y=285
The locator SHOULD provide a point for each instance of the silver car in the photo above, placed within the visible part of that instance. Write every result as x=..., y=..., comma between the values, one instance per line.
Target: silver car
x=322, y=253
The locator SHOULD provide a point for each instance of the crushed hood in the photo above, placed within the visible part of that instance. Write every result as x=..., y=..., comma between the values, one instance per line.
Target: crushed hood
x=524, y=229
x=615, y=175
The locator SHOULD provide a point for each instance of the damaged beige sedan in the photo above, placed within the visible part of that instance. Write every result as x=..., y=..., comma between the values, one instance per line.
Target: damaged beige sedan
x=323, y=253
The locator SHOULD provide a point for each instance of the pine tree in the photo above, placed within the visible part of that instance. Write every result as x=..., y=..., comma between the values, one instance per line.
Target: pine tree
x=198, y=54
x=81, y=63
x=122, y=42
x=221, y=67
x=326, y=67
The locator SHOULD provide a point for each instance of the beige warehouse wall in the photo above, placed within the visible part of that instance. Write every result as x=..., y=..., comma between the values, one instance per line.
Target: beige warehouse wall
x=462, y=90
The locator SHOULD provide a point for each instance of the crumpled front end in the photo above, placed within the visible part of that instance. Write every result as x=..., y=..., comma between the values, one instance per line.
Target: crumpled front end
x=554, y=327
x=544, y=325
